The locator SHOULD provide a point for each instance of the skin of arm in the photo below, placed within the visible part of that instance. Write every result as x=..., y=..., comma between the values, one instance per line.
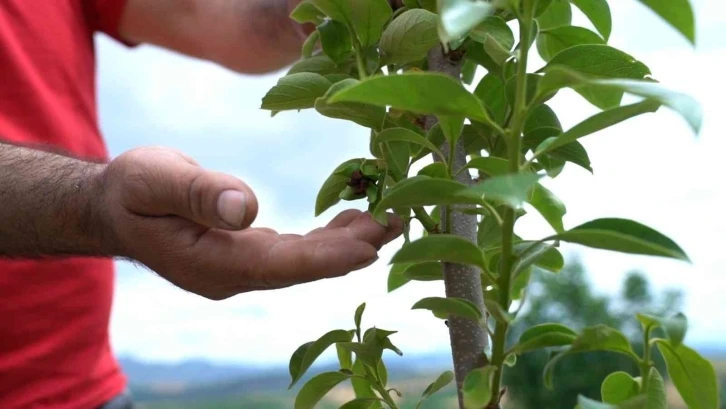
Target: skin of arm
x=247, y=36
x=159, y=207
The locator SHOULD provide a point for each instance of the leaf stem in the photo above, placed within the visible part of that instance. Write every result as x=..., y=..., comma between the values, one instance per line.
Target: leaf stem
x=646, y=364
x=362, y=74
x=514, y=145
x=426, y=221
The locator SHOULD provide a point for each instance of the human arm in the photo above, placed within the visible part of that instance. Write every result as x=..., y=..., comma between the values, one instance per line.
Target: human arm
x=247, y=36
x=159, y=207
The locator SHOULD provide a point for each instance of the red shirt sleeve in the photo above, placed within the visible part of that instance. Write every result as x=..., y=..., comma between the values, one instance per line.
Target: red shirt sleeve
x=106, y=15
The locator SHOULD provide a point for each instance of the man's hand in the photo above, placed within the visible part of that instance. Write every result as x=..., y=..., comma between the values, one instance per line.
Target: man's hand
x=191, y=227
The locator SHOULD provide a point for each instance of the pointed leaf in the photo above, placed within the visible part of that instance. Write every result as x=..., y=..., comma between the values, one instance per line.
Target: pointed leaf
x=558, y=13
x=405, y=135
x=442, y=381
x=430, y=271
x=477, y=387
x=491, y=92
x=542, y=116
x=335, y=40
x=396, y=279
x=549, y=206
x=296, y=91
x=368, y=18
x=598, y=12
x=328, y=195
x=435, y=170
x=440, y=247
x=306, y=12
x=449, y=306
x=678, y=13
x=359, y=315
x=572, y=152
x=319, y=64
x=451, y=126
x=656, y=391
x=369, y=116
x=623, y=235
x=618, y=387
x=542, y=254
x=425, y=191
x=495, y=27
x=551, y=42
x=544, y=336
x=510, y=189
x=489, y=165
x=313, y=351
x=409, y=37
x=497, y=312
x=675, y=326
x=420, y=92
x=693, y=375
x=317, y=387
x=458, y=17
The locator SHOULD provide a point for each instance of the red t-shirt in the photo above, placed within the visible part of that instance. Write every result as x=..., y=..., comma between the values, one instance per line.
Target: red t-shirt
x=54, y=315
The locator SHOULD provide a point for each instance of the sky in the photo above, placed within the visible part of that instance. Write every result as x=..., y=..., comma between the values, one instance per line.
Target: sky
x=651, y=169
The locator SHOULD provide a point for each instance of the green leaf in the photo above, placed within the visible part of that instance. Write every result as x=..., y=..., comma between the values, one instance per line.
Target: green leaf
x=489, y=165
x=495, y=27
x=440, y=247
x=477, y=387
x=313, y=351
x=449, y=306
x=425, y=191
x=489, y=232
x=510, y=189
x=598, y=12
x=458, y=17
x=297, y=358
x=360, y=403
x=542, y=116
x=551, y=42
x=675, y=326
x=361, y=386
x=598, y=122
x=656, y=391
x=368, y=18
x=319, y=64
x=637, y=402
x=335, y=9
x=496, y=311
x=431, y=271
x=622, y=235
x=345, y=358
x=409, y=37
x=309, y=45
x=549, y=206
x=678, y=13
x=442, y=381
x=369, y=116
x=335, y=39
x=599, y=61
x=397, y=155
x=382, y=372
x=468, y=71
x=618, y=387
x=419, y=92
x=544, y=336
x=520, y=283
x=328, y=195
x=451, y=126
x=510, y=360
x=490, y=91
x=572, y=152
x=296, y=91
x=396, y=279
x=693, y=376
x=317, y=387
x=435, y=170
x=306, y=12
x=559, y=13
x=499, y=54
x=359, y=316
x=405, y=135
x=541, y=254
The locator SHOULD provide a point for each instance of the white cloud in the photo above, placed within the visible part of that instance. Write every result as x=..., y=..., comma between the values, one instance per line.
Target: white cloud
x=650, y=169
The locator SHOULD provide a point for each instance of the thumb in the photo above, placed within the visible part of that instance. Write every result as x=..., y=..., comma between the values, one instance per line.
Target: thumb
x=173, y=184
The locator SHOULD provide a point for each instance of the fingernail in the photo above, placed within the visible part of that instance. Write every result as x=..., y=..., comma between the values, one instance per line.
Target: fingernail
x=232, y=206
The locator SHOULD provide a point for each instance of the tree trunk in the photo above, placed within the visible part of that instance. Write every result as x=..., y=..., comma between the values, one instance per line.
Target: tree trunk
x=468, y=339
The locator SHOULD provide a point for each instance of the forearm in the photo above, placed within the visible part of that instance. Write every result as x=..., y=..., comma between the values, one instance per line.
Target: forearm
x=49, y=204
x=247, y=36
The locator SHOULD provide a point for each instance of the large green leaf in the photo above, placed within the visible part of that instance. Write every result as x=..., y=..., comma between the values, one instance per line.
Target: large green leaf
x=549, y=206
x=558, y=13
x=405, y=135
x=598, y=11
x=477, y=387
x=684, y=104
x=420, y=92
x=409, y=37
x=368, y=18
x=440, y=247
x=551, y=42
x=335, y=40
x=601, y=120
x=449, y=306
x=510, y=189
x=544, y=336
x=317, y=387
x=367, y=115
x=300, y=362
x=425, y=191
x=333, y=185
x=599, y=61
x=296, y=91
x=490, y=91
x=678, y=13
x=440, y=382
x=622, y=235
x=693, y=376
x=396, y=279
x=618, y=387
x=458, y=17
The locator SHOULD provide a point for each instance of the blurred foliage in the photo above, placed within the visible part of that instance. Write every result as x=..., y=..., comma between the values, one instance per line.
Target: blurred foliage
x=569, y=298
